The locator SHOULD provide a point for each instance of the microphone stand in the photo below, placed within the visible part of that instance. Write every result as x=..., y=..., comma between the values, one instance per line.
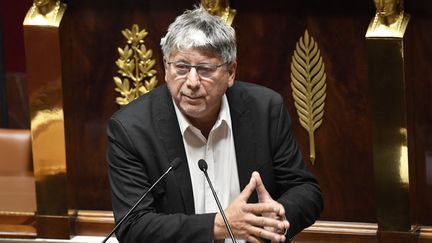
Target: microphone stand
x=203, y=166
x=173, y=166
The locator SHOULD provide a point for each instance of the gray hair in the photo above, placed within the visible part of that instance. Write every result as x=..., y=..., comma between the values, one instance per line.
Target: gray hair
x=198, y=29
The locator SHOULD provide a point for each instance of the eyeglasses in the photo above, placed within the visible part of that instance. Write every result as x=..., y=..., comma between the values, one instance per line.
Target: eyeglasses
x=203, y=70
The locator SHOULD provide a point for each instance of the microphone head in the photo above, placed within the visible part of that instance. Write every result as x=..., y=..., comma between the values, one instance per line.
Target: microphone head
x=175, y=163
x=202, y=164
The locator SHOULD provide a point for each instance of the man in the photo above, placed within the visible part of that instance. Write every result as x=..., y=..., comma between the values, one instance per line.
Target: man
x=243, y=132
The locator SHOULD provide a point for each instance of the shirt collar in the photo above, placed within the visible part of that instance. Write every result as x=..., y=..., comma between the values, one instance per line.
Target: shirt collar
x=224, y=116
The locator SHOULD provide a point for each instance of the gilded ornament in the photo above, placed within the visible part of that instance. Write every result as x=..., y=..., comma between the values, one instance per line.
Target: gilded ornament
x=309, y=87
x=135, y=64
x=390, y=19
x=220, y=8
x=45, y=13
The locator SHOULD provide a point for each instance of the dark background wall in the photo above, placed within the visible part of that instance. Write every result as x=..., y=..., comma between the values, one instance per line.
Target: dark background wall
x=14, y=91
x=267, y=32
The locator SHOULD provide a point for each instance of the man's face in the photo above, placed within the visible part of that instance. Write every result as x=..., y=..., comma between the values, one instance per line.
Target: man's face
x=386, y=7
x=198, y=96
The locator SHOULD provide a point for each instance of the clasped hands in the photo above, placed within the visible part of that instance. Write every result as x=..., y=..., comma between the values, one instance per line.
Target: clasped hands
x=254, y=222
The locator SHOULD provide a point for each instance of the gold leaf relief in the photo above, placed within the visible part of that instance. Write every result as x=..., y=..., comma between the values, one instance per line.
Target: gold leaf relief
x=309, y=87
x=135, y=66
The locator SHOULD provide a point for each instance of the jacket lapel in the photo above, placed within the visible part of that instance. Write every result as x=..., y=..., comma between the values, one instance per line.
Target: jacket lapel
x=169, y=134
x=244, y=135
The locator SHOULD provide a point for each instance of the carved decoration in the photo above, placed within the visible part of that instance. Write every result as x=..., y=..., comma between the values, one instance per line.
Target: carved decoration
x=309, y=87
x=390, y=19
x=135, y=67
x=45, y=13
x=220, y=8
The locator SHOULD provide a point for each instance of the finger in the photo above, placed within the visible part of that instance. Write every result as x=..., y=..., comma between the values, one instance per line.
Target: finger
x=261, y=208
x=265, y=234
x=269, y=224
x=254, y=239
x=262, y=192
x=286, y=223
x=248, y=190
x=281, y=211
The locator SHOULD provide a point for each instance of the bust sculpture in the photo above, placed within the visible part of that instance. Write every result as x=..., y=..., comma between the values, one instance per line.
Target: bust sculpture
x=390, y=19
x=220, y=8
x=45, y=13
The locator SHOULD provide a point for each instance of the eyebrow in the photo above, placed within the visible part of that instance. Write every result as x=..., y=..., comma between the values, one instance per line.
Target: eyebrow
x=200, y=63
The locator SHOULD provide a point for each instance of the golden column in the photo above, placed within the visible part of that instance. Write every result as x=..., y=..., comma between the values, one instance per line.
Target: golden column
x=385, y=42
x=42, y=48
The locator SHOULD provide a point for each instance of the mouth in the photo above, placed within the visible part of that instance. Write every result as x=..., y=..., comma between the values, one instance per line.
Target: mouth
x=192, y=98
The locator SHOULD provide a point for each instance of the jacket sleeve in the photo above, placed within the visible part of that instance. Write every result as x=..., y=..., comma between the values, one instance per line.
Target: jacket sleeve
x=129, y=179
x=298, y=190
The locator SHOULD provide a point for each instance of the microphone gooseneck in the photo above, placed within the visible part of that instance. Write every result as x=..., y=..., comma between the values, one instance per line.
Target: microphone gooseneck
x=202, y=164
x=173, y=165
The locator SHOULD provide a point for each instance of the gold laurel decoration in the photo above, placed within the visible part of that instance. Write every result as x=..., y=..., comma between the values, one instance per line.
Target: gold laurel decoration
x=309, y=87
x=135, y=66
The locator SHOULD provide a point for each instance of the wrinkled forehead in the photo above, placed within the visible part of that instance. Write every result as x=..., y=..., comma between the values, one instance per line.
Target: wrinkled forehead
x=200, y=53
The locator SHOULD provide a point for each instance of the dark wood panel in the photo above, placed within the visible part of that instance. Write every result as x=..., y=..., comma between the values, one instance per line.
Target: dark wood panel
x=425, y=235
x=93, y=222
x=332, y=238
x=17, y=225
x=328, y=231
x=344, y=161
x=418, y=48
x=397, y=237
x=17, y=100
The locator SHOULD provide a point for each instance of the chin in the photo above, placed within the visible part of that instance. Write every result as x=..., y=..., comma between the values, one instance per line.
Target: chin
x=193, y=113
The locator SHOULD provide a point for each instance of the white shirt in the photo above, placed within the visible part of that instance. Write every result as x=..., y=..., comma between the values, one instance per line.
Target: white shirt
x=219, y=153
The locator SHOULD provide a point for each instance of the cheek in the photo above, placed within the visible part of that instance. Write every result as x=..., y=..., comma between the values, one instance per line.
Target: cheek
x=216, y=90
x=174, y=87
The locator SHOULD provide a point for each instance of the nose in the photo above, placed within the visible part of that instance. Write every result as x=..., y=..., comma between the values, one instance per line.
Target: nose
x=193, y=79
x=382, y=7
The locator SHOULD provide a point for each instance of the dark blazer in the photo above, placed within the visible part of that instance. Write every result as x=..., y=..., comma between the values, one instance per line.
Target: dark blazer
x=144, y=137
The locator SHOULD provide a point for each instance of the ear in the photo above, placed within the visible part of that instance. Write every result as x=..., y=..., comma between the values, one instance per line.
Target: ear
x=232, y=72
x=166, y=69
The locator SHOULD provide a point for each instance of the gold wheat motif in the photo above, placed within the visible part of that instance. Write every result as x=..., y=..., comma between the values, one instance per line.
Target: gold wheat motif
x=309, y=88
x=135, y=66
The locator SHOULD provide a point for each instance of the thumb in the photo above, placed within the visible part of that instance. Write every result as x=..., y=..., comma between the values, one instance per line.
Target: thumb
x=248, y=190
x=262, y=192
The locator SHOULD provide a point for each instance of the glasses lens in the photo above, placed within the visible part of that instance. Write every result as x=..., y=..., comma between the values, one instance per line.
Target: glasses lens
x=181, y=68
x=206, y=71
x=203, y=70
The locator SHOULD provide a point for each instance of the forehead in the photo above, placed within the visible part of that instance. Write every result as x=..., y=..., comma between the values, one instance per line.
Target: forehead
x=193, y=54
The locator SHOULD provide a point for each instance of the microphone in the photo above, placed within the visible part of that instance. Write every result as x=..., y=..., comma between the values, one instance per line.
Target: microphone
x=202, y=164
x=174, y=164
